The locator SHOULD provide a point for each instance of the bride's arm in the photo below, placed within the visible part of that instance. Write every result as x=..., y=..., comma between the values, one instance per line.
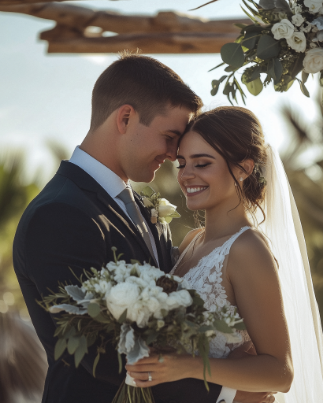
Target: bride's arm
x=254, y=277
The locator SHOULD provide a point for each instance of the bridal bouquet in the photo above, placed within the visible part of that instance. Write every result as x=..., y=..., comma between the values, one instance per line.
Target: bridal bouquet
x=136, y=307
x=286, y=38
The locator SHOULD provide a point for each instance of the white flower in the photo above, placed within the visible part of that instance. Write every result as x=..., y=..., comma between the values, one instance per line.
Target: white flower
x=306, y=28
x=313, y=62
x=179, y=298
x=297, y=41
x=298, y=9
x=283, y=29
x=298, y=19
x=313, y=45
x=139, y=313
x=313, y=5
x=165, y=208
x=321, y=11
x=122, y=296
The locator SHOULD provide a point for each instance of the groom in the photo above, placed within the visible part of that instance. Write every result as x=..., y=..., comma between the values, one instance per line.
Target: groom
x=140, y=108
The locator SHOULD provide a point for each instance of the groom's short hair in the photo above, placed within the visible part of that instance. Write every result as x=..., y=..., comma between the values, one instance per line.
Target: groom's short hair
x=142, y=82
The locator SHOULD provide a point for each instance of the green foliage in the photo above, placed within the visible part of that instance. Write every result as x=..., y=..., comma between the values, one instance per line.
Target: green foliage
x=232, y=54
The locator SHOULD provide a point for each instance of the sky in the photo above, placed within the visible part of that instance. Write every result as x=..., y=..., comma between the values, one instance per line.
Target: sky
x=47, y=97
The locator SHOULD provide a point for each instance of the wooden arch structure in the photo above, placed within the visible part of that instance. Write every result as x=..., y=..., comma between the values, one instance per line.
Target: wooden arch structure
x=82, y=30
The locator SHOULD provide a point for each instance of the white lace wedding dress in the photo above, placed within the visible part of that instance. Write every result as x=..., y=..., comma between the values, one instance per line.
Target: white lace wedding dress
x=206, y=279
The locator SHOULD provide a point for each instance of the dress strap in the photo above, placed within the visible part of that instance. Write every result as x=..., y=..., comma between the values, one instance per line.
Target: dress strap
x=186, y=249
x=227, y=245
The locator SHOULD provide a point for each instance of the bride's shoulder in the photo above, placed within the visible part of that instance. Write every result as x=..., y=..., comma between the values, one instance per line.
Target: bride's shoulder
x=189, y=238
x=251, y=252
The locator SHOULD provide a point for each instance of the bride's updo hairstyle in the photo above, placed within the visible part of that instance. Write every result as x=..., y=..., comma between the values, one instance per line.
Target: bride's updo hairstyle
x=236, y=134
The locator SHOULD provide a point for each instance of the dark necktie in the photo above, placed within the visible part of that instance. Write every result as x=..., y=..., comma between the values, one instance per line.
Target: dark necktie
x=132, y=209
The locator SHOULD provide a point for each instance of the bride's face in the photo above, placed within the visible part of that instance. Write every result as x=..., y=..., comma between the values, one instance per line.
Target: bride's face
x=204, y=175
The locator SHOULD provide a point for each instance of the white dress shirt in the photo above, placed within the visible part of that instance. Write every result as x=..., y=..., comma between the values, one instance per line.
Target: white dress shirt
x=110, y=182
x=114, y=185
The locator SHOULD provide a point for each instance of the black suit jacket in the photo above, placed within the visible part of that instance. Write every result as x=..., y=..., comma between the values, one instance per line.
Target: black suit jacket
x=73, y=222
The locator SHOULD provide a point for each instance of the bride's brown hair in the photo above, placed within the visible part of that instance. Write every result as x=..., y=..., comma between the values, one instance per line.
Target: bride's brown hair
x=236, y=134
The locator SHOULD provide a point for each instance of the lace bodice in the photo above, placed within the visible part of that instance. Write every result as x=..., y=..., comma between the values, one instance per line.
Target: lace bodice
x=206, y=278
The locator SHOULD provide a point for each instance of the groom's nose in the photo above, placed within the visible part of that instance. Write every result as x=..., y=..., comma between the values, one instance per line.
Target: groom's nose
x=172, y=151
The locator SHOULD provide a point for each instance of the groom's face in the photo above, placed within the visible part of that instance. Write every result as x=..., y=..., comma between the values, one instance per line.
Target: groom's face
x=149, y=146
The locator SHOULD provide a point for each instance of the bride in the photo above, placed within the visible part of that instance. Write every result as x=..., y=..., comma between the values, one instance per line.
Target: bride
x=251, y=254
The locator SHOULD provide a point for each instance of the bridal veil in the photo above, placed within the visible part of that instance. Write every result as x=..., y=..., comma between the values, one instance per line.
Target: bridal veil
x=284, y=231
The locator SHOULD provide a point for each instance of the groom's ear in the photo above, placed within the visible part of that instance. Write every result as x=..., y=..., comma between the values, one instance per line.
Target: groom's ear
x=124, y=113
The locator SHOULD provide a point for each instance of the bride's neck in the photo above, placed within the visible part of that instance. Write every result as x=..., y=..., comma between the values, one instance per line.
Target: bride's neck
x=219, y=222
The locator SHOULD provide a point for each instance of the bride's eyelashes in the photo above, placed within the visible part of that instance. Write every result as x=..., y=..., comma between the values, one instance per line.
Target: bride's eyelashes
x=196, y=166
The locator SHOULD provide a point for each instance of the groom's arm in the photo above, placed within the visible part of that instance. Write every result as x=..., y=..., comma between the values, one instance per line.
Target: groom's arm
x=60, y=236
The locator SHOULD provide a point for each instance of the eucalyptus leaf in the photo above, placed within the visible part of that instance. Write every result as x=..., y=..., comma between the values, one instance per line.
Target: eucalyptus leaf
x=268, y=47
x=93, y=310
x=95, y=363
x=219, y=65
x=255, y=74
x=304, y=89
x=250, y=40
x=232, y=54
x=255, y=87
x=80, y=351
x=275, y=69
x=91, y=340
x=221, y=326
x=229, y=69
x=270, y=4
x=68, y=308
x=253, y=28
x=240, y=326
x=123, y=317
x=304, y=76
x=60, y=347
x=147, y=191
x=72, y=344
x=75, y=292
x=70, y=332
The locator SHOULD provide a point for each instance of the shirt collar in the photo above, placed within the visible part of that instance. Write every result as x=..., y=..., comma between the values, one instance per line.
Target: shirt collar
x=110, y=181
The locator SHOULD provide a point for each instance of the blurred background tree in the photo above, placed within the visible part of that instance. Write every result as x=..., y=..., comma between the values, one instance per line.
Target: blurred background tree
x=15, y=195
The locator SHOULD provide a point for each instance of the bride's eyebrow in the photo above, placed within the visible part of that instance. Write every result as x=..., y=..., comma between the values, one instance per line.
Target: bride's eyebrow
x=197, y=156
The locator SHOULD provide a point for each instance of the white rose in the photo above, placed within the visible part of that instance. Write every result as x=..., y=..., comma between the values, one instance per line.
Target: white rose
x=283, y=29
x=121, y=297
x=313, y=62
x=298, y=9
x=165, y=208
x=297, y=41
x=139, y=313
x=298, y=19
x=313, y=5
x=306, y=28
x=313, y=45
x=179, y=298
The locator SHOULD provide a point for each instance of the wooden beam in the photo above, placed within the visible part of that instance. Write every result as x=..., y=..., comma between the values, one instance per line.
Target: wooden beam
x=184, y=43
x=76, y=16
x=82, y=30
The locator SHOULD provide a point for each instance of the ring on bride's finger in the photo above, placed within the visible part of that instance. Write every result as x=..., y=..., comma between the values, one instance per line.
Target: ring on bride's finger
x=150, y=378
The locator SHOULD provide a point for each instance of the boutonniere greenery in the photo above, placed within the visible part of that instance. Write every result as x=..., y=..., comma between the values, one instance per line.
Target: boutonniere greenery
x=161, y=210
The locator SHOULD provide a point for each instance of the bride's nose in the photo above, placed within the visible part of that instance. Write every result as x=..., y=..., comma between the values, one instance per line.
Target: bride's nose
x=185, y=174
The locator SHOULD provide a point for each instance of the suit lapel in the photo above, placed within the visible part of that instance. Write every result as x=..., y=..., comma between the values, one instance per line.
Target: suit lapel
x=84, y=181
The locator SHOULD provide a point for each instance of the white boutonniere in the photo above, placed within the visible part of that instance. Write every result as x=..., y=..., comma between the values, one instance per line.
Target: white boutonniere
x=160, y=209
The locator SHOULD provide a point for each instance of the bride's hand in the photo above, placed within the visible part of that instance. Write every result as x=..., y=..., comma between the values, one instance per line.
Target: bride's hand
x=161, y=368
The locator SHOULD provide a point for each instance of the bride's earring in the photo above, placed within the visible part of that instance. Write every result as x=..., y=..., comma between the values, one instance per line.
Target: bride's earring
x=241, y=179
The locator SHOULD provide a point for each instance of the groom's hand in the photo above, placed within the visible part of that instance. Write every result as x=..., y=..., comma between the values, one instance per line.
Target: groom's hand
x=254, y=397
x=249, y=397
